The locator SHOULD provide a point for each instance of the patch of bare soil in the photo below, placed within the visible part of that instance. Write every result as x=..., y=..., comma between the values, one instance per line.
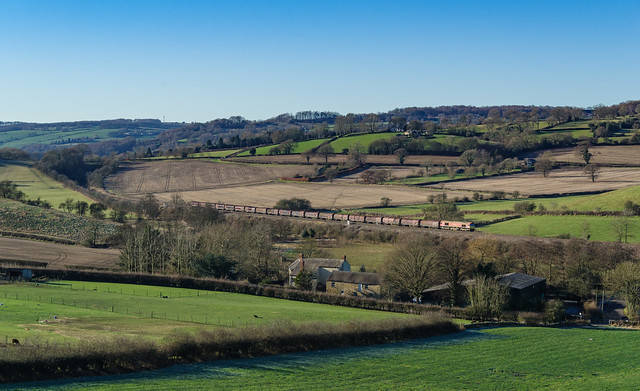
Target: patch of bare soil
x=562, y=181
x=178, y=176
x=606, y=154
x=13, y=251
x=322, y=195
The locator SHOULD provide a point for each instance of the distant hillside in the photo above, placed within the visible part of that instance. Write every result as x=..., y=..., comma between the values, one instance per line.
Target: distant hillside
x=26, y=219
x=38, y=138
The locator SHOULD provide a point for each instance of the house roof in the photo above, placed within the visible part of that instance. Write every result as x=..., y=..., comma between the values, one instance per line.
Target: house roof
x=354, y=278
x=314, y=263
x=445, y=286
x=518, y=280
x=512, y=280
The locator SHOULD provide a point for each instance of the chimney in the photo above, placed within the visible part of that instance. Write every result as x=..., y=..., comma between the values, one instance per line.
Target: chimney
x=344, y=257
x=301, y=261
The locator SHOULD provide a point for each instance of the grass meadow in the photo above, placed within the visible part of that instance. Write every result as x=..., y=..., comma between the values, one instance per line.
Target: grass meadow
x=364, y=139
x=358, y=254
x=300, y=147
x=214, y=154
x=609, y=201
x=509, y=358
x=35, y=184
x=21, y=138
x=599, y=228
x=68, y=310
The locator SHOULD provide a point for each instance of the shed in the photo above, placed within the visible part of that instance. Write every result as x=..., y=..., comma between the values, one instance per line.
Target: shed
x=526, y=292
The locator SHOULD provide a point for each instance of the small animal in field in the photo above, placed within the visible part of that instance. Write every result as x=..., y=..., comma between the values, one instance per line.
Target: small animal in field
x=15, y=342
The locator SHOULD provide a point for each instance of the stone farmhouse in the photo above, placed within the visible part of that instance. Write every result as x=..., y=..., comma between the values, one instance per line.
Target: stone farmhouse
x=320, y=269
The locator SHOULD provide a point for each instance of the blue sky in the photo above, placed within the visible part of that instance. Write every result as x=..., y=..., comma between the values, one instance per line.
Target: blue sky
x=201, y=60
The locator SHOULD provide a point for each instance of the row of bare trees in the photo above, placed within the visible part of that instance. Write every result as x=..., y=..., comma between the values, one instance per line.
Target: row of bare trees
x=236, y=250
x=424, y=260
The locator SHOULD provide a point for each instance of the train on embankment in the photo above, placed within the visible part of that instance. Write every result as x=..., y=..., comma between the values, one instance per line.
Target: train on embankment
x=346, y=217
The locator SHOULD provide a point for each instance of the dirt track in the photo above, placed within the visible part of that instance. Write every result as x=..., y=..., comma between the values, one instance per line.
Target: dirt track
x=56, y=255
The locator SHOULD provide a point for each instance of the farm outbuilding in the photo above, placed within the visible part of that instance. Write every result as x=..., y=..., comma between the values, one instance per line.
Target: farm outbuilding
x=320, y=269
x=525, y=292
x=17, y=273
x=354, y=284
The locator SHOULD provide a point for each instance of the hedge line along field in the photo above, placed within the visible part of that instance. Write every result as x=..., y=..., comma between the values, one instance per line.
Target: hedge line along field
x=513, y=358
x=600, y=228
x=35, y=184
x=67, y=310
x=414, y=160
x=18, y=217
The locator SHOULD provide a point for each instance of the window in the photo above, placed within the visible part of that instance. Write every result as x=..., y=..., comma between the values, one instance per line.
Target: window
x=333, y=284
x=366, y=286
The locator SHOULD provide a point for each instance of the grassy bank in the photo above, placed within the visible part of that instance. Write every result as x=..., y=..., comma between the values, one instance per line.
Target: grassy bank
x=18, y=217
x=68, y=310
x=35, y=184
x=117, y=355
x=598, y=227
x=519, y=358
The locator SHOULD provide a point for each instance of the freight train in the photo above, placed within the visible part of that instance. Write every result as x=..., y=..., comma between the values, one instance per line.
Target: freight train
x=400, y=221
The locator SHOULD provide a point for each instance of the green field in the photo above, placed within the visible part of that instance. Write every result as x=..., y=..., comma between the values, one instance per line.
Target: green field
x=600, y=227
x=358, y=254
x=67, y=310
x=18, y=217
x=304, y=146
x=214, y=154
x=35, y=184
x=300, y=147
x=401, y=210
x=510, y=358
x=364, y=139
x=609, y=201
x=21, y=138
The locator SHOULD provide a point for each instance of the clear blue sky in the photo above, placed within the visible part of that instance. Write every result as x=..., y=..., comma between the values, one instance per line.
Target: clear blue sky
x=201, y=60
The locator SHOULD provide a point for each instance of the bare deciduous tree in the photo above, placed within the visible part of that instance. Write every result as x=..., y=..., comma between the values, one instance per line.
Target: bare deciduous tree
x=592, y=171
x=411, y=266
x=544, y=164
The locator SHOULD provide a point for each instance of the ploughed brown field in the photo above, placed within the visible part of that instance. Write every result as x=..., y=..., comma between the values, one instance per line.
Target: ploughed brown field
x=12, y=251
x=606, y=154
x=189, y=175
x=373, y=159
x=561, y=181
x=394, y=172
x=322, y=195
